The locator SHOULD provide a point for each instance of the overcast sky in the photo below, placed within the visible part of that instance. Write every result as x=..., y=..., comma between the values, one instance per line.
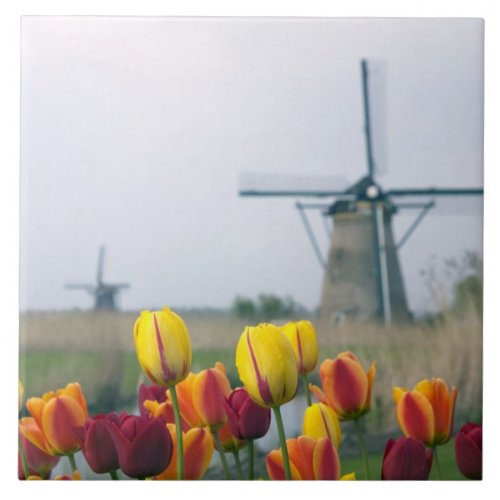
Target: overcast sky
x=134, y=132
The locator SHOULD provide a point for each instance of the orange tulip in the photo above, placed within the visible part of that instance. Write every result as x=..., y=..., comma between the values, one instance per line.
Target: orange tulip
x=210, y=388
x=185, y=396
x=426, y=412
x=57, y=414
x=198, y=451
x=346, y=387
x=309, y=459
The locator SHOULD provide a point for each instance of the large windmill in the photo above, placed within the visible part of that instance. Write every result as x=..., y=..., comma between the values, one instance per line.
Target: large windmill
x=362, y=277
x=104, y=294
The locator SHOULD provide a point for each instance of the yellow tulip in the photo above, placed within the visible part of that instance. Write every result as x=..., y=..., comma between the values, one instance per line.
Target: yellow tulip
x=321, y=421
x=163, y=346
x=302, y=336
x=267, y=365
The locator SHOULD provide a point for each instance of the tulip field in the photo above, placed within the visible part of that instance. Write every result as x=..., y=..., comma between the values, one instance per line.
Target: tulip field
x=169, y=396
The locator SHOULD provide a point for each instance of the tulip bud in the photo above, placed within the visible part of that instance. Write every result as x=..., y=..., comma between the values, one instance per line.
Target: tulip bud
x=198, y=450
x=469, y=450
x=97, y=445
x=163, y=346
x=143, y=444
x=267, y=365
x=321, y=421
x=57, y=414
x=36, y=450
x=426, y=412
x=309, y=459
x=302, y=336
x=346, y=387
x=406, y=459
x=210, y=388
x=247, y=419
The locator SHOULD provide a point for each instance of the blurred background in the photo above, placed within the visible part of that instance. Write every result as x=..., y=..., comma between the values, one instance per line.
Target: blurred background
x=135, y=135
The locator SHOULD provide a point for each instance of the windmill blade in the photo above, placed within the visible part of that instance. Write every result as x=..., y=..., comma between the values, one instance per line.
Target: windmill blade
x=100, y=264
x=373, y=74
x=265, y=184
x=446, y=201
x=80, y=286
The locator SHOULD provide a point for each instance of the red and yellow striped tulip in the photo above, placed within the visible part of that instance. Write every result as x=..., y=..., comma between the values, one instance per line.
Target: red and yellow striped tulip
x=346, y=387
x=198, y=450
x=185, y=397
x=267, y=365
x=57, y=414
x=163, y=346
x=426, y=412
x=309, y=459
x=321, y=421
x=302, y=336
x=210, y=388
x=39, y=459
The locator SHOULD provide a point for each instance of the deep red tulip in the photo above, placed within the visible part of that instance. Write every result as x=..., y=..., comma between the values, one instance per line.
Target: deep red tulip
x=247, y=419
x=143, y=444
x=151, y=393
x=469, y=450
x=406, y=459
x=96, y=443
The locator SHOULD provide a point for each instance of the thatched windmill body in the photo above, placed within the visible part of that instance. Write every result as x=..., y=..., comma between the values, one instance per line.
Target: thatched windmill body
x=362, y=278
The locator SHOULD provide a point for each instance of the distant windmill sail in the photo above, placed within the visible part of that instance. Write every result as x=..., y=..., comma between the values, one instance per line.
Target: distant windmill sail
x=363, y=278
x=104, y=294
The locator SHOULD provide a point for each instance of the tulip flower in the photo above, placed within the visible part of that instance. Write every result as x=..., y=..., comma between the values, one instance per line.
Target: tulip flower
x=406, y=459
x=150, y=393
x=163, y=349
x=185, y=397
x=247, y=420
x=347, y=390
x=57, y=414
x=267, y=366
x=198, y=450
x=97, y=445
x=426, y=412
x=143, y=445
x=469, y=450
x=163, y=346
x=309, y=459
x=39, y=461
x=210, y=388
x=321, y=421
x=302, y=336
x=346, y=387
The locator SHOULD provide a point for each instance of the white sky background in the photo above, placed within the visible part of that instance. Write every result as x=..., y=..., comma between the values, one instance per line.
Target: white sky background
x=134, y=132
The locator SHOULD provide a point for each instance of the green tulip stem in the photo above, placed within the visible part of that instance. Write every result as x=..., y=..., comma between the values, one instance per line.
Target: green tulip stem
x=114, y=475
x=284, y=450
x=178, y=433
x=24, y=460
x=238, y=463
x=71, y=459
x=436, y=462
x=250, y=459
x=305, y=382
x=362, y=447
x=221, y=453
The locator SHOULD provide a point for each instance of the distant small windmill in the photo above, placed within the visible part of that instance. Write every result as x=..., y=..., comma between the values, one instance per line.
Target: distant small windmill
x=362, y=277
x=104, y=294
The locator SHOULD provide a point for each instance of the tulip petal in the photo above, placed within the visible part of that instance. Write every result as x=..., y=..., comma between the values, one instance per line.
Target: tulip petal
x=398, y=393
x=35, y=406
x=326, y=461
x=301, y=452
x=60, y=416
x=416, y=418
x=468, y=456
x=275, y=469
x=351, y=476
